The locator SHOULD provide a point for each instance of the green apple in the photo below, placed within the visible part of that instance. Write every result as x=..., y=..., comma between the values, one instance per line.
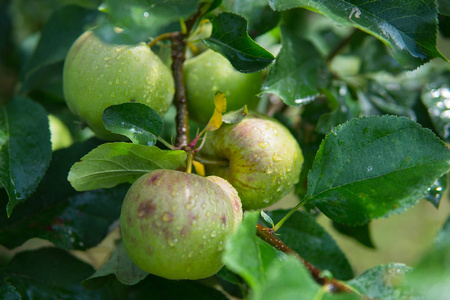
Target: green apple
x=97, y=75
x=264, y=159
x=174, y=224
x=210, y=72
x=60, y=134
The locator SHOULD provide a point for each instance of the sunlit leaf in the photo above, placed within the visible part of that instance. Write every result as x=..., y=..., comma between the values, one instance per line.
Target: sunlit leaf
x=113, y=163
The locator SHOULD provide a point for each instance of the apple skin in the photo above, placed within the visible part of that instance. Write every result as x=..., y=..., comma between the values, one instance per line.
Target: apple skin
x=97, y=75
x=174, y=224
x=209, y=72
x=264, y=158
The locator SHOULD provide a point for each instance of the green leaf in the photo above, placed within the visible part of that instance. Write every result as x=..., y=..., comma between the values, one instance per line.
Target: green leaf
x=120, y=266
x=288, y=279
x=373, y=167
x=359, y=233
x=303, y=235
x=137, y=121
x=154, y=287
x=9, y=292
x=25, y=148
x=261, y=18
x=50, y=273
x=431, y=277
x=297, y=76
x=229, y=37
x=436, y=191
x=436, y=98
x=247, y=255
x=61, y=30
x=383, y=282
x=343, y=108
x=407, y=27
x=57, y=213
x=141, y=20
x=113, y=163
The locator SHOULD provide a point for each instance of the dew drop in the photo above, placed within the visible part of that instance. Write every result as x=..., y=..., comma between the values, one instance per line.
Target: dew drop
x=213, y=234
x=263, y=144
x=208, y=213
x=118, y=82
x=172, y=242
x=189, y=205
x=110, y=82
x=277, y=157
x=106, y=58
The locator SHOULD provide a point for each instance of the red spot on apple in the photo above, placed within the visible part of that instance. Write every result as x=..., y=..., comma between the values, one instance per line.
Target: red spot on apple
x=146, y=209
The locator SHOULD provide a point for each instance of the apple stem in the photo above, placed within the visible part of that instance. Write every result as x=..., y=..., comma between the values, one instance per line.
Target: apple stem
x=190, y=158
x=331, y=284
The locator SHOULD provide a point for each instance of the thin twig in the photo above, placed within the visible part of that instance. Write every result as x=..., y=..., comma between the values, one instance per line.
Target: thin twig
x=333, y=285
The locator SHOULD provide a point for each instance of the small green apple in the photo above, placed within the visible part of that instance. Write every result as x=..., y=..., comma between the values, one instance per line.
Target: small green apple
x=174, y=224
x=264, y=158
x=60, y=134
x=97, y=75
x=210, y=72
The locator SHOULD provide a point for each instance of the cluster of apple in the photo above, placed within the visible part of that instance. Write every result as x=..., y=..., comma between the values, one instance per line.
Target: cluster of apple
x=174, y=224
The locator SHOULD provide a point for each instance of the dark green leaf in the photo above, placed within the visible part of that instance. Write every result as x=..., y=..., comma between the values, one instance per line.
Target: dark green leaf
x=56, y=212
x=229, y=37
x=247, y=255
x=382, y=282
x=120, y=266
x=25, y=148
x=343, y=108
x=154, y=287
x=137, y=121
x=297, y=76
x=359, y=233
x=408, y=27
x=302, y=234
x=261, y=18
x=50, y=273
x=141, y=20
x=436, y=98
x=373, y=167
x=113, y=163
x=376, y=57
x=61, y=30
x=9, y=292
x=436, y=191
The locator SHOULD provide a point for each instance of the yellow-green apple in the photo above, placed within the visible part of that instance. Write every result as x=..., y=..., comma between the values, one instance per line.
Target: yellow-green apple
x=258, y=156
x=209, y=72
x=97, y=75
x=174, y=224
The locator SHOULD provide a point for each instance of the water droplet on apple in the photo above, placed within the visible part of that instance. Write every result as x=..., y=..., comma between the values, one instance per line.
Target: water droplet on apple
x=172, y=242
x=263, y=144
x=189, y=205
x=208, y=213
x=110, y=82
x=106, y=58
x=276, y=157
x=213, y=234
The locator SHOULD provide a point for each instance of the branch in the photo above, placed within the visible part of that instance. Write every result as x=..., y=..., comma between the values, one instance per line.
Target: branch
x=178, y=57
x=333, y=285
x=182, y=117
